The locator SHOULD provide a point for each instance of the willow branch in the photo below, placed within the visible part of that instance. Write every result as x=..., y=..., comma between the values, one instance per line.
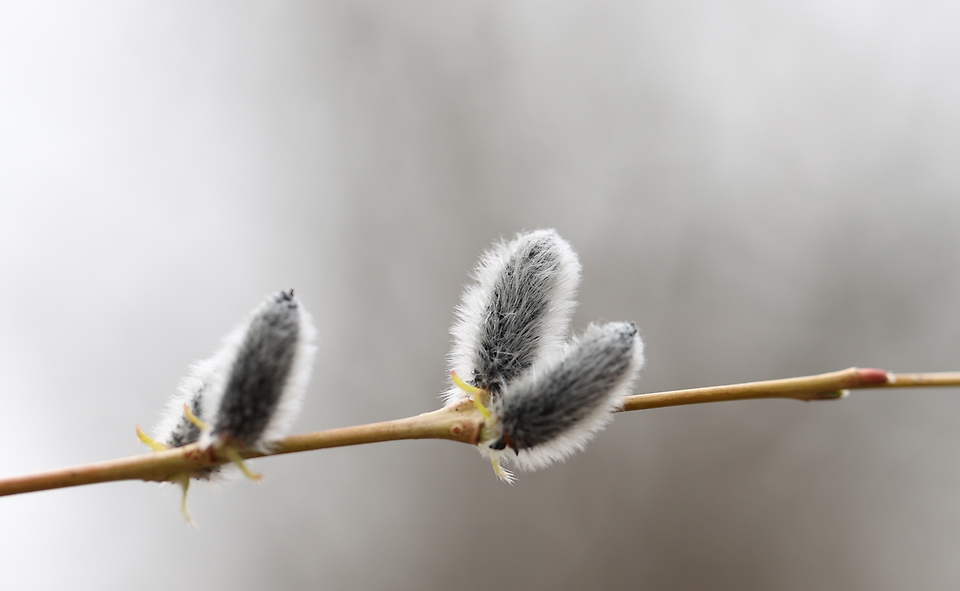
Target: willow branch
x=824, y=386
x=459, y=423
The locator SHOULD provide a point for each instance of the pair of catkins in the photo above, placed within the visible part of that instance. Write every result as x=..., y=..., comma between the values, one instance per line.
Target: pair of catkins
x=543, y=397
x=547, y=396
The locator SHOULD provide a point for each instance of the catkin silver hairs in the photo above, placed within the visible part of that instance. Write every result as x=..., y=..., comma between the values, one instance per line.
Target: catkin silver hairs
x=554, y=409
x=546, y=398
x=517, y=311
x=259, y=377
x=177, y=427
x=247, y=395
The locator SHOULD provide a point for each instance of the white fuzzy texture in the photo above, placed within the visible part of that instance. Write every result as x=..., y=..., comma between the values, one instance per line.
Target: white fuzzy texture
x=291, y=399
x=207, y=380
x=576, y=437
x=190, y=387
x=550, y=330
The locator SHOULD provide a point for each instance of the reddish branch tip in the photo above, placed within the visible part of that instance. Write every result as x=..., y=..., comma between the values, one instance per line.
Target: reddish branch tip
x=872, y=377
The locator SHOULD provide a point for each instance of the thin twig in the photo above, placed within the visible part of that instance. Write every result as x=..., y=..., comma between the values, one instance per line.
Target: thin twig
x=459, y=423
x=824, y=386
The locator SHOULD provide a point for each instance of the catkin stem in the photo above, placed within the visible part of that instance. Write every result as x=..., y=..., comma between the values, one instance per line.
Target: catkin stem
x=462, y=423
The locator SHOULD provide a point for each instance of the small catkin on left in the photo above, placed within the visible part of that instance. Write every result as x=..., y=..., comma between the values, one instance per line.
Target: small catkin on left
x=247, y=395
x=259, y=376
x=175, y=427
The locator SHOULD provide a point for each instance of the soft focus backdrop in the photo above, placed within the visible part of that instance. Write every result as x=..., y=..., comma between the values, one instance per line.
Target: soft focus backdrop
x=767, y=189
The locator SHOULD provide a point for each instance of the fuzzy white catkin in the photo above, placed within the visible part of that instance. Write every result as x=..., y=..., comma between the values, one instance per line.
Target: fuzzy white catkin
x=555, y=408
x=261, y=373
x=251, y=390
x=516, y=313
x=174, y=428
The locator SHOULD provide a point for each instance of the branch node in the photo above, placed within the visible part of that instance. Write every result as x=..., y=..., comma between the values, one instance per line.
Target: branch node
x=867, y=376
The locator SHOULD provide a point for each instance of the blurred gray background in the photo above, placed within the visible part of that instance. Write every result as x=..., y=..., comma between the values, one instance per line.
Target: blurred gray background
x=767, y=189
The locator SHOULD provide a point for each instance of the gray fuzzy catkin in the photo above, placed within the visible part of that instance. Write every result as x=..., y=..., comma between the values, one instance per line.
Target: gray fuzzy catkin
x=516, y=313
x=250, y=391
x=258, y=379
x=555, y=408
x=185, y=432
x=178, y=430
x=174, y=428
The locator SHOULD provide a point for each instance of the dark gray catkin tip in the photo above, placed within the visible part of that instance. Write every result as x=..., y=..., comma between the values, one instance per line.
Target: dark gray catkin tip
x=537, y=409
x=260, y=371
x=511, y=331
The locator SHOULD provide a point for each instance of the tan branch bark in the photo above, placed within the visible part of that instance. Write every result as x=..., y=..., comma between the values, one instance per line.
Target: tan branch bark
x=824, y=386
x=460, y=423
